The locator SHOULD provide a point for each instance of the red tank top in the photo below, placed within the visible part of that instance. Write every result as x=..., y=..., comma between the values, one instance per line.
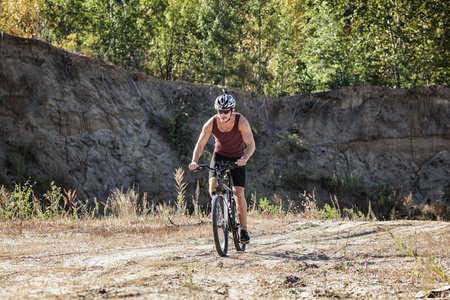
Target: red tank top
x=228, y=143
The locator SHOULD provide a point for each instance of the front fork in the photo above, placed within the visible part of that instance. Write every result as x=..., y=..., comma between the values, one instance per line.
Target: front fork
x=225, y=210
x=225, y=207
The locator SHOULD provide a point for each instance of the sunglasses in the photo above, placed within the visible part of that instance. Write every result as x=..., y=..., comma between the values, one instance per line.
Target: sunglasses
x=224, y=112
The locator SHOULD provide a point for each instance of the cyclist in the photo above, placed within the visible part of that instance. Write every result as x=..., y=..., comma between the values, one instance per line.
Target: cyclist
x=233, y=142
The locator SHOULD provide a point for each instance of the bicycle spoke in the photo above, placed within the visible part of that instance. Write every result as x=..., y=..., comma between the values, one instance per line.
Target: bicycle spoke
x=234, y=224
x=220, y=231
x=224, y=216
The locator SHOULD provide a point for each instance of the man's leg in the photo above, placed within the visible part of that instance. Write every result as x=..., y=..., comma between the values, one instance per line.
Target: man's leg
x=241, y=204
x=212, y=185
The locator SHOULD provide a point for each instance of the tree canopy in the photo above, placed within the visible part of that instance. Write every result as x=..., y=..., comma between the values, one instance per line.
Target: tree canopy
x=274, y=47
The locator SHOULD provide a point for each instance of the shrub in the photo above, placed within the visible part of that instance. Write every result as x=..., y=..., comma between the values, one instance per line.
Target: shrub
x=19, y=203
x=267, y=208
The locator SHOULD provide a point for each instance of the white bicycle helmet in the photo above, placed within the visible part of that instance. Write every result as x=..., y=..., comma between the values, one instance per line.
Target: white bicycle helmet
x=224, y=102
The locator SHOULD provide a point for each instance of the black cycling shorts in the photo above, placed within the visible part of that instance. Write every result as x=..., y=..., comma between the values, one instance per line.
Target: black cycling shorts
x=237, y=174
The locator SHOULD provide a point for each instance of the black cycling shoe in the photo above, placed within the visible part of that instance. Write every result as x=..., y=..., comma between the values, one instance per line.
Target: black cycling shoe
x=245, y=238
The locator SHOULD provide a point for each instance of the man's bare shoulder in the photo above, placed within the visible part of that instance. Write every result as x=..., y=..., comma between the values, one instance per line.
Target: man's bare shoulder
x=243, y=123
x=208, y=125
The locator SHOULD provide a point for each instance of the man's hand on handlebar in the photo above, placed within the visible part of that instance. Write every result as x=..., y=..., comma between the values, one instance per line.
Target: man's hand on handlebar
x=193, y=166
x=222, y=165
x=241, y=162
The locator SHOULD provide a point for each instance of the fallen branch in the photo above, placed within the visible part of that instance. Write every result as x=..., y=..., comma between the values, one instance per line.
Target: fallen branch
x=194, y=224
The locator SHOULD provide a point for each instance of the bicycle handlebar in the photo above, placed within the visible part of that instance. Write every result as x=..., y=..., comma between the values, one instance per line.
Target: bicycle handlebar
x=222, y=166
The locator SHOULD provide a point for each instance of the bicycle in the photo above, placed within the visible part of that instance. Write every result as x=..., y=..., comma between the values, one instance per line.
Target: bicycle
x=223, y=212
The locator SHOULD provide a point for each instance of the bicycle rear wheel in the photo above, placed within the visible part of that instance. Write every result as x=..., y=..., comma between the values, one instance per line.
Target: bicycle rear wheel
x=220, y=229
x=235, y=226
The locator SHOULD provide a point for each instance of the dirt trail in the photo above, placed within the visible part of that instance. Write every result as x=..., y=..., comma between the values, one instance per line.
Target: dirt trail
x=286, y=259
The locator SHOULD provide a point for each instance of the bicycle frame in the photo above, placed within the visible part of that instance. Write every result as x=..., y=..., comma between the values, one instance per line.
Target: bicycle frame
x=225, y=191
x=223, y=170
x=222, y=189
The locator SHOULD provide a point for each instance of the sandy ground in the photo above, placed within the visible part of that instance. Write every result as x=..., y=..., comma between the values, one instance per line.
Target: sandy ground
x=287, y=258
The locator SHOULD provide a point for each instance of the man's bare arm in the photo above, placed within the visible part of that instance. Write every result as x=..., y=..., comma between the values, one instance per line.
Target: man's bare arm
x=249, y=141
x=202, y=140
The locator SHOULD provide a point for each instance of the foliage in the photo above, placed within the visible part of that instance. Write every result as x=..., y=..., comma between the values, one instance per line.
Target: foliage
x=22, y=204
x=19, y=203
x=404, y=43
x=329, y=212
x=274, y=47
x=350, y=184
x=326, y=54
x=267, y=208
x=291, y=144
x=53, y=198
x=21, y=17
x=176, y=129
x=385, y=200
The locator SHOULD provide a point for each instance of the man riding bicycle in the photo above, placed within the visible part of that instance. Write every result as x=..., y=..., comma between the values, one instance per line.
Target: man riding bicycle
x=233, y=142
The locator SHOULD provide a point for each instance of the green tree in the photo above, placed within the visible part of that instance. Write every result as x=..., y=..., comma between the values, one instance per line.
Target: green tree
x=114, y=30
x=325, y=52
x=274, y=47
x=171, y=42
x=260, y=35
x=290, y=72
x=404, y=43
x=220, y=24
x=63, y=18
x=21, y=17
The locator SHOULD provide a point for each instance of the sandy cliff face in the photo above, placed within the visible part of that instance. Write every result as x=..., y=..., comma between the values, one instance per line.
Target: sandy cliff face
x=85, y=124
x=379, y=134
x=80, y=122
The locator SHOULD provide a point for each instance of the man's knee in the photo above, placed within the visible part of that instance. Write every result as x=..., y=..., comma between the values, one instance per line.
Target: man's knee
x=212, y=184
x=238, y=192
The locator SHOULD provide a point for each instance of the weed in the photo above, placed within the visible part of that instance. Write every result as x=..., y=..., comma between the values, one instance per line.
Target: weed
x=176, y=129
x=4, y=196
x=148, y=207
x=309, y=203
x=195, y=203
x=53, y=197
x=384, y=200
x=18, y=204
x=71, y=204
x=180, y=187
x=267, y=208
x=253, y=202
x=122, y=204
x=405, y=249
x=291, y=144
x=329, y=212
x=351, y=214
x=189, y=282
x=164, y=210
x=347, y=184
x=431, y=272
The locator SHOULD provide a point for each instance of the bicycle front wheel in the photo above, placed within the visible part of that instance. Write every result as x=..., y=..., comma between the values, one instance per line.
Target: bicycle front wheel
x=219, y=223
x=234, y=226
